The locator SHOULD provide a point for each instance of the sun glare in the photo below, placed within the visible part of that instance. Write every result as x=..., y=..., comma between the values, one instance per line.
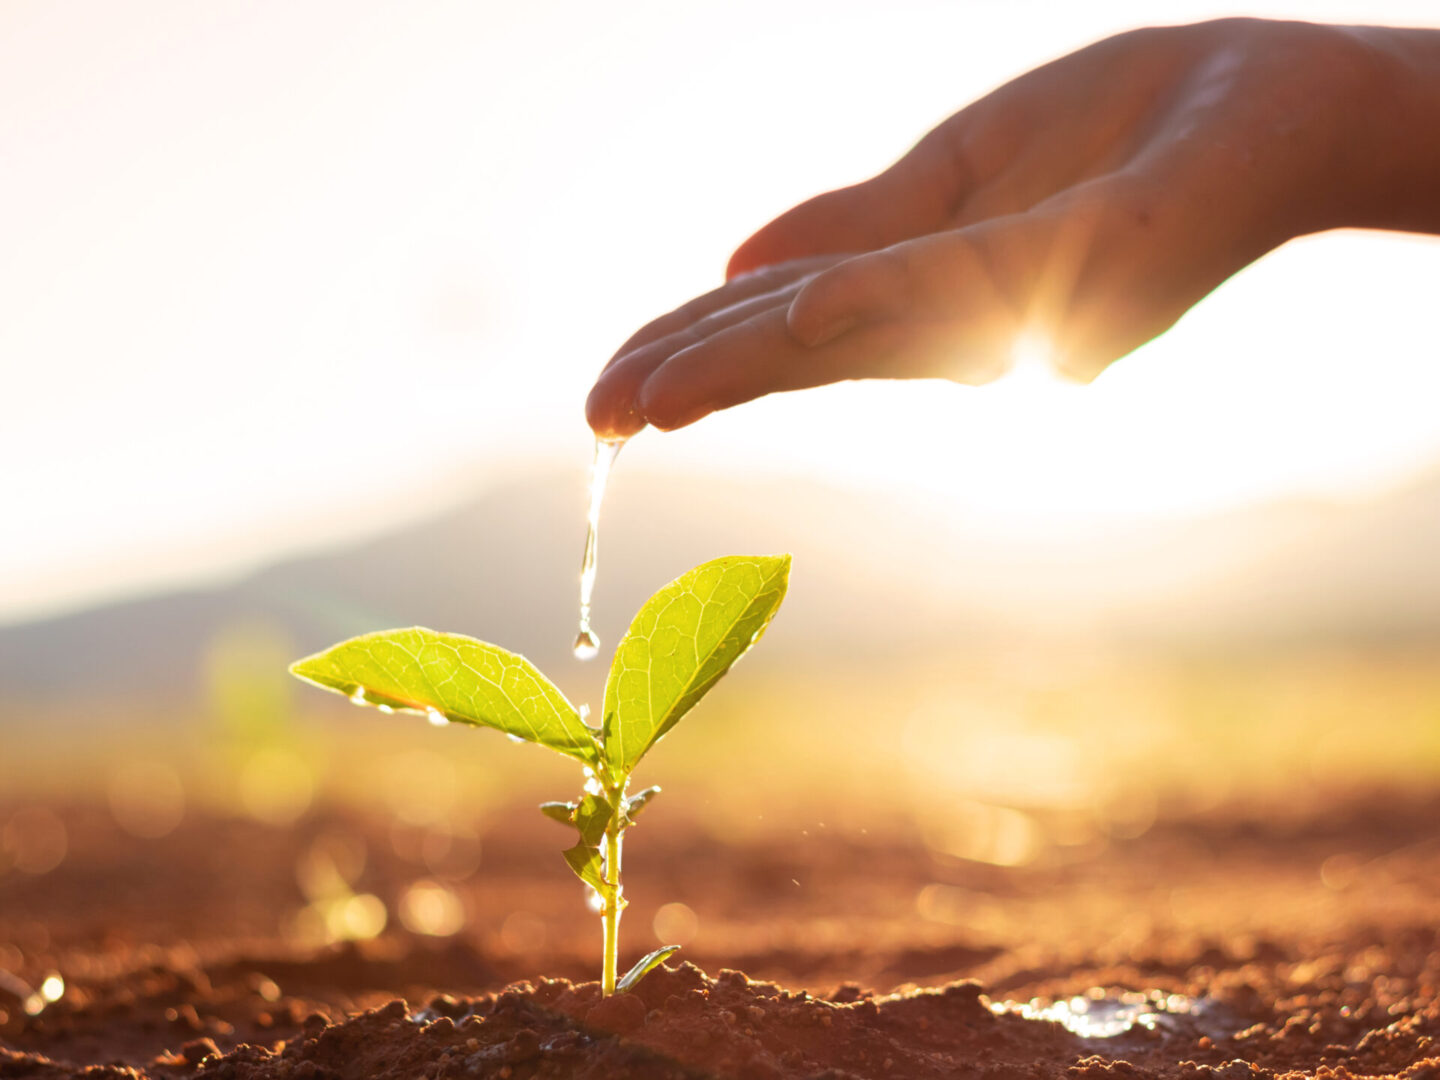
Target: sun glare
x=1032, y=360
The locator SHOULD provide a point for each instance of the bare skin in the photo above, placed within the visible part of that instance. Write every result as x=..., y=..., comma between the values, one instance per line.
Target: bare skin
x=1094, y=200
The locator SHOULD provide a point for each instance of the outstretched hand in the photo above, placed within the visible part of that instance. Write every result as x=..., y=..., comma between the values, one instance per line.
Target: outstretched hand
x=1093, y=200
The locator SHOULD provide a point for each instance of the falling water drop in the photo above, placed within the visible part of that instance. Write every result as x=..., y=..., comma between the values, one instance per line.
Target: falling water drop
x=587, y=643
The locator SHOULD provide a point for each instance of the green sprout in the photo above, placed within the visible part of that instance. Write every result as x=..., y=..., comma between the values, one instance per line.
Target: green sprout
x=683, y=639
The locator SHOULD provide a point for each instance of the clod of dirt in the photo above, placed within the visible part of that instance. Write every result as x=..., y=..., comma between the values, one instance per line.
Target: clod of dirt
x=620, y=1013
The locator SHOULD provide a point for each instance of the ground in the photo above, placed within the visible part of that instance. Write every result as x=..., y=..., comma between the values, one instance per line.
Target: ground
x=1250, y=945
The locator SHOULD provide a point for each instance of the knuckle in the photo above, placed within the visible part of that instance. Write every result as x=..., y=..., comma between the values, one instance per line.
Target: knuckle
x=894, y=270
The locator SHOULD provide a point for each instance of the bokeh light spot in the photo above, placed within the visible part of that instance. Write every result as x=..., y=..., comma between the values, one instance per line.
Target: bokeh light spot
x=523, y=932
x=675, y=924
x=430, y=908
x=979, y=832
x=276, y=786
x=34, y=840
x=146, y=799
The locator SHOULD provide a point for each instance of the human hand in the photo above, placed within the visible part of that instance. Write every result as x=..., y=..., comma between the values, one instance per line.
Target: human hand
x=1093, y=200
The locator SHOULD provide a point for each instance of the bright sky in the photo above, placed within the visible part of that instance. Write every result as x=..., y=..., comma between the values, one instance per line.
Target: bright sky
x=272, y=272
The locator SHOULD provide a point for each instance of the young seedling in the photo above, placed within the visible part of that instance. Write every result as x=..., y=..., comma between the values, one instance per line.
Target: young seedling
x=680, y=643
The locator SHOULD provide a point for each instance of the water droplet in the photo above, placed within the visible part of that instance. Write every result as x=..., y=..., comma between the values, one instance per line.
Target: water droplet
x=584, y=713
x=386, y=709
x=513, y=738
x=436, y=717
x=358, y=697
x=587, y=644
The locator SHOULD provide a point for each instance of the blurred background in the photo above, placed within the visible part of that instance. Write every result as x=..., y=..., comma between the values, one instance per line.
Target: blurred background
x=300, y=306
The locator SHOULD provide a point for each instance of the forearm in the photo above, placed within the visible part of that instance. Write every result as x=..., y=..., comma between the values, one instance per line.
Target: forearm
x=1391, y=165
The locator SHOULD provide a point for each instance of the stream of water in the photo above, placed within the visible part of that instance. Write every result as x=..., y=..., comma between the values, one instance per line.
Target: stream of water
x=587, y=642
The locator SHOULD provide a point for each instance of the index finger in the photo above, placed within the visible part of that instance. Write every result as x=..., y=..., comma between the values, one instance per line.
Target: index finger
x=745, y=287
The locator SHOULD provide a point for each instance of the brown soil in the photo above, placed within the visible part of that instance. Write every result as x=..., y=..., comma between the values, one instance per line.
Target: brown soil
x=1304, y=947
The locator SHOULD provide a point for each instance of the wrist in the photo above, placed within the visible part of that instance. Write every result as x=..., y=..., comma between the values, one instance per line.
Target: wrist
x=1383, y=169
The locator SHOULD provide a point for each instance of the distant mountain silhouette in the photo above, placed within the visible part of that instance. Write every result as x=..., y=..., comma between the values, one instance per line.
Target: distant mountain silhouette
x=874, y=576
x=1363, y=573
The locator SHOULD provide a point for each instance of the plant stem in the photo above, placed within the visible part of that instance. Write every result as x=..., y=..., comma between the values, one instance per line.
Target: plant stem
x=614, y=898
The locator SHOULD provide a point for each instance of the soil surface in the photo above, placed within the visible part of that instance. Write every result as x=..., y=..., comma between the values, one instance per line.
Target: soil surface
x=1221, y=947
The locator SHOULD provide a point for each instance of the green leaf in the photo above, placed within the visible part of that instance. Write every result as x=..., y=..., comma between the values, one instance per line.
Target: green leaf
x=563, y=812
x=467, y=681
x=592, y=818
x=646, y=965
x=585, y=861
x=682, y=640
x=637, y=802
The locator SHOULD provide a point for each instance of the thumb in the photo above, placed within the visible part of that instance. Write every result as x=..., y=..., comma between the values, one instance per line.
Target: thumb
x=916, y=195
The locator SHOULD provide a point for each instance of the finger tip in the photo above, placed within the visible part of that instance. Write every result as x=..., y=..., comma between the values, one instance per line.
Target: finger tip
x=597, y=410
x=664, y=411
x=609, y=418
x=756, y=252
x=740, y=264
x=664, y=421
